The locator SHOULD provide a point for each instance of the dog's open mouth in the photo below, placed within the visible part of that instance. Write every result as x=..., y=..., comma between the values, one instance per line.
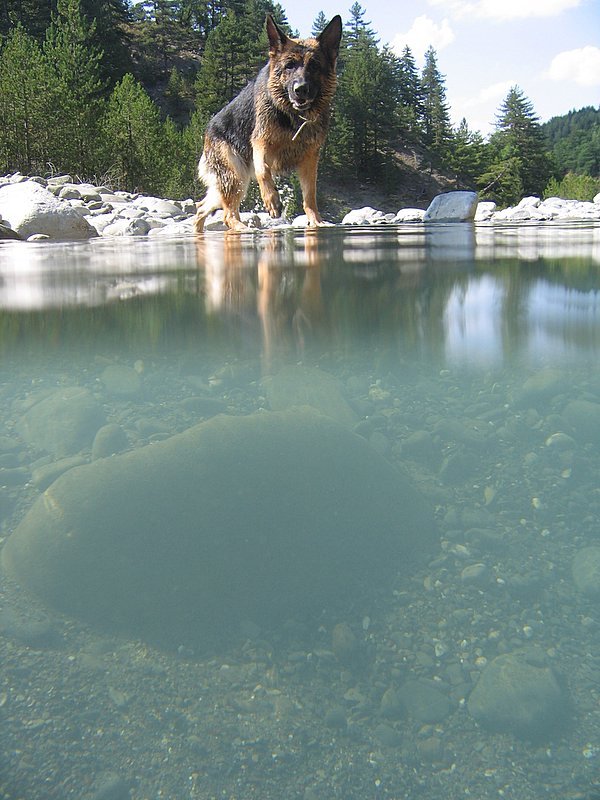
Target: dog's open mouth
x=301, y=105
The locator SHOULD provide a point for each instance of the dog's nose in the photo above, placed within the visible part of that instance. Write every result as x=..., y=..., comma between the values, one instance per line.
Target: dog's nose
x=301, y=89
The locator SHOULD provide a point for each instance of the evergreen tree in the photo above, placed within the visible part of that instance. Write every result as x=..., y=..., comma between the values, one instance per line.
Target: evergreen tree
x=518, y=145
x=228, y=63
x=319, y=24
x=133, y=136
x=75, y=63
x=27, y=104
x=437, y=130
x=467, y=154
x=33, y=16
x=411, y=95
x=108, y=21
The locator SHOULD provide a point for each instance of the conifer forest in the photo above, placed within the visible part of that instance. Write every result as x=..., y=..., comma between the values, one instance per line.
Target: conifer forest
x=120, y=92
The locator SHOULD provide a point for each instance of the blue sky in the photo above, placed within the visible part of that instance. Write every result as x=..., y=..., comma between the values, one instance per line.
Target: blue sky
x=549, y=48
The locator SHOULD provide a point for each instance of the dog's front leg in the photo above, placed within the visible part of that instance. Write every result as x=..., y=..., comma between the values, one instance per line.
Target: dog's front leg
x=307, y=174
x=266, y=184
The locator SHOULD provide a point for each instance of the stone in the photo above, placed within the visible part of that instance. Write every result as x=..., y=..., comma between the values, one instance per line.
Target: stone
x=307, y=386
x=516, y=694
x=475, y=574
x=31, y=209
x=584, y=418
x=452, y=207
x=363, y=216
x=391, y=704
x=157, y=206
x=387, y=736
x=423, y=702
x=409, y=215
x=8, y=233
x=485, y=211
x=586, y=571
x=264, y=517
x=109, y=440
x=121, y=380
x=344, y=643
x=62, y=423
x=540, y=387
x=43, y=476
x=184, y=227
x=136, y=226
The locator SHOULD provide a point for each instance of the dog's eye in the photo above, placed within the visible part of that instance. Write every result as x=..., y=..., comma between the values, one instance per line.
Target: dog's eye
x=290, y=65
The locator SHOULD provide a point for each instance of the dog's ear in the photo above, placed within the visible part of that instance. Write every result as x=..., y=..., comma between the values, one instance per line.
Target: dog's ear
x=330, y=37
x=277, y=38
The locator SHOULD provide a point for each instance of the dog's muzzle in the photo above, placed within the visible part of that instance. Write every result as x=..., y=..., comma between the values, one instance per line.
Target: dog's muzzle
x=301, y=95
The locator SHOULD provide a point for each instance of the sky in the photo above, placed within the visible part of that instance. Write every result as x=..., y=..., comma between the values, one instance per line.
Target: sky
x=550, y=49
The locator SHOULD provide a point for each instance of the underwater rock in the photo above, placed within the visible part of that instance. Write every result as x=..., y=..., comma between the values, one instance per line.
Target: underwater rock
x=586, y=571
x=121, y=380
x=584, y=417
x=109, y=440
x=516, y=694
x=63, y=422
x=298, y=386
x=423, y=702
x=262, y=517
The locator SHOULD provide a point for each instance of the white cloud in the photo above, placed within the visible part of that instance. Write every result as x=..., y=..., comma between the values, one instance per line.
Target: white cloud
x=581, y=66
x=503, y=10
x=423, y=34
x=489, y=94
x=481, y=108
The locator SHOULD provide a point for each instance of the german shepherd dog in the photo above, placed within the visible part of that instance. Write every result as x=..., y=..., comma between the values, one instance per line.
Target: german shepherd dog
x=276, y=124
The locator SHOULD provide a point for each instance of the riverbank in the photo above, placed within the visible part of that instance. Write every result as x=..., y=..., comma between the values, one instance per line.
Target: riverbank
x=59, y=208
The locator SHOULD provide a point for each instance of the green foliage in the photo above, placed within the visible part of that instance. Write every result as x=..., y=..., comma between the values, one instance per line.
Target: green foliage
x=437, y=131
x=27, y=105
x=144, y=150
x=575, y=142
x=467, y=154
x=573, y=187
x=519, y=160
x=75, y=64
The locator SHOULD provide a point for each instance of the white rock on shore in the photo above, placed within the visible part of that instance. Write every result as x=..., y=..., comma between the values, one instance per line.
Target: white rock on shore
x=59, y=208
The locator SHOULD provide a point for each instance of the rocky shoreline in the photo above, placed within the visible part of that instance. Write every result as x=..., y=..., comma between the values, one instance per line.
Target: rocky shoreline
x=59, y=208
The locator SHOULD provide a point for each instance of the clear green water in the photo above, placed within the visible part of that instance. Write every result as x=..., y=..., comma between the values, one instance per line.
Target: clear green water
x=466, y=357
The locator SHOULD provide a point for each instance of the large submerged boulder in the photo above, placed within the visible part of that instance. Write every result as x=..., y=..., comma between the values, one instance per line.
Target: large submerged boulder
x=261, y=517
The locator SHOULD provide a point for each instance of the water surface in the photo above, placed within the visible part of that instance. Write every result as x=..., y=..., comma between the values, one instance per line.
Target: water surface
x=465, y=356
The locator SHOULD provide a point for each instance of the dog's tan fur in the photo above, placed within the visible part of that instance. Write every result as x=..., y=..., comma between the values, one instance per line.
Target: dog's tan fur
x=277, y=124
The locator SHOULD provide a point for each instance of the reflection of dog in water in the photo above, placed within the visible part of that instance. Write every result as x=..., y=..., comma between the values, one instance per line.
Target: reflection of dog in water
x=276, y=124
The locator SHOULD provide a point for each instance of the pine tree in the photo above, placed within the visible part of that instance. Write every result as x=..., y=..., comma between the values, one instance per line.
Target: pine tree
x=75, y=63
x=319, y=24
x=437, y=130
x=518, y=145
x=411, y=95
x=110, y=20
x=27, y=104
x=133, y=136
x=466, y=156
x=228, y=63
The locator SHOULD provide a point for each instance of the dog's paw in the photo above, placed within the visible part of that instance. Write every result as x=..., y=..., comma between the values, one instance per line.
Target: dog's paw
x=274, y=206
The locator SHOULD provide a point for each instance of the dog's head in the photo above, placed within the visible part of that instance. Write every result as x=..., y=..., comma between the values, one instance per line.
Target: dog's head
x=303, y=70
